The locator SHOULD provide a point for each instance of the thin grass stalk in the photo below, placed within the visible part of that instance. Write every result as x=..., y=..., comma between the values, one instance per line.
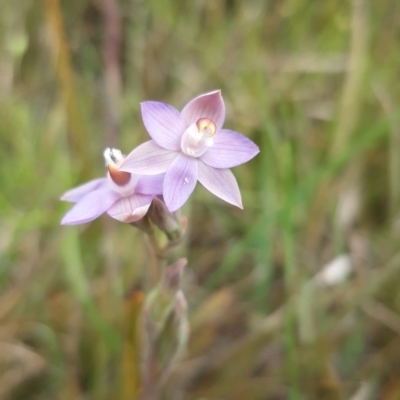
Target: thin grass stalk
x=290, y=275
x=350, y=103
x=131, y=381
x=62, y=60
x=348, y=117
x=389, y=107
x=112, y=68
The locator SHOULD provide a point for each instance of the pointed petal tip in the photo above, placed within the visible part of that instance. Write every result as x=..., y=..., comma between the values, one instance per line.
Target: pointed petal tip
x=235, y=202
x=147, y=102
x=222, y=183
x=90, y=207
x=77, y=193
x=208, y=105
x=252, y=152
x=217, y=91
x=68, y=222
x=66, y=197
x=214, y=94
x=255, y=152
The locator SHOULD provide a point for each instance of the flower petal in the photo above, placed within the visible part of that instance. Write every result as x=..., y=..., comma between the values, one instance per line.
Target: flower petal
x=130, y=209
x=164, y=124
x=148, y=159
x=152, y=184
x=180, y=181
x=209, y=105
x=229, y=150
x=77, y=193
x=220, y=182
x=90, y=207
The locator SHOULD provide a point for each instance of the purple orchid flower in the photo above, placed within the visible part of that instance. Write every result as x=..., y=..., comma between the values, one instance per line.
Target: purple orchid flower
x=189, y=146
x=124, y=196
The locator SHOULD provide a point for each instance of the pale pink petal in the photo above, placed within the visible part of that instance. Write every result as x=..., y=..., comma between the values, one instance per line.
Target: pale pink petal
x=78, y=192
x=130, y=209
x=148, y=159
x=151, y=184
x=220, y=182
x=180, y=181
x=229, y=150
x=209, y=105
x=164, y=124
x=90, y=207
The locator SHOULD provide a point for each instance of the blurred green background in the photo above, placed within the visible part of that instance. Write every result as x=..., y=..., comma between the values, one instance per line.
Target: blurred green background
x=296, y=297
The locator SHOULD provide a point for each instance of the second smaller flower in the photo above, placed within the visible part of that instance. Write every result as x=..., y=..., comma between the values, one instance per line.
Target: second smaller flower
x=124, y=196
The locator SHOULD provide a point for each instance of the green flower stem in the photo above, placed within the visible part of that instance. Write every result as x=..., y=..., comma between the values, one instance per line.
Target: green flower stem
x=158, y=312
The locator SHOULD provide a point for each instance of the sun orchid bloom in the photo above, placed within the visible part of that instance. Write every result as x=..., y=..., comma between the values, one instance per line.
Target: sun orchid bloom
x=188, y=146
x=124, y=196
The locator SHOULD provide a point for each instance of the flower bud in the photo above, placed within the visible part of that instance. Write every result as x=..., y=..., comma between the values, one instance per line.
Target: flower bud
x=173, y=274
x=173, y=336
x=143, y=224
x=166, y=221
x=180, y=306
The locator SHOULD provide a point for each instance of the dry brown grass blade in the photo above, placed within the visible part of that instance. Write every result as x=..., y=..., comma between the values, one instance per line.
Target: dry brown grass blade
x=18, y=363
x=209, y=318
x=382, y=314
x=67, y=320
x=130, y=383
x=240, y=389
x=10, y=299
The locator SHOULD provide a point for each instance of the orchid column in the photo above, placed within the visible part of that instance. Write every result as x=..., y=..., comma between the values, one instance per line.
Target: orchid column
x=147, y=189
